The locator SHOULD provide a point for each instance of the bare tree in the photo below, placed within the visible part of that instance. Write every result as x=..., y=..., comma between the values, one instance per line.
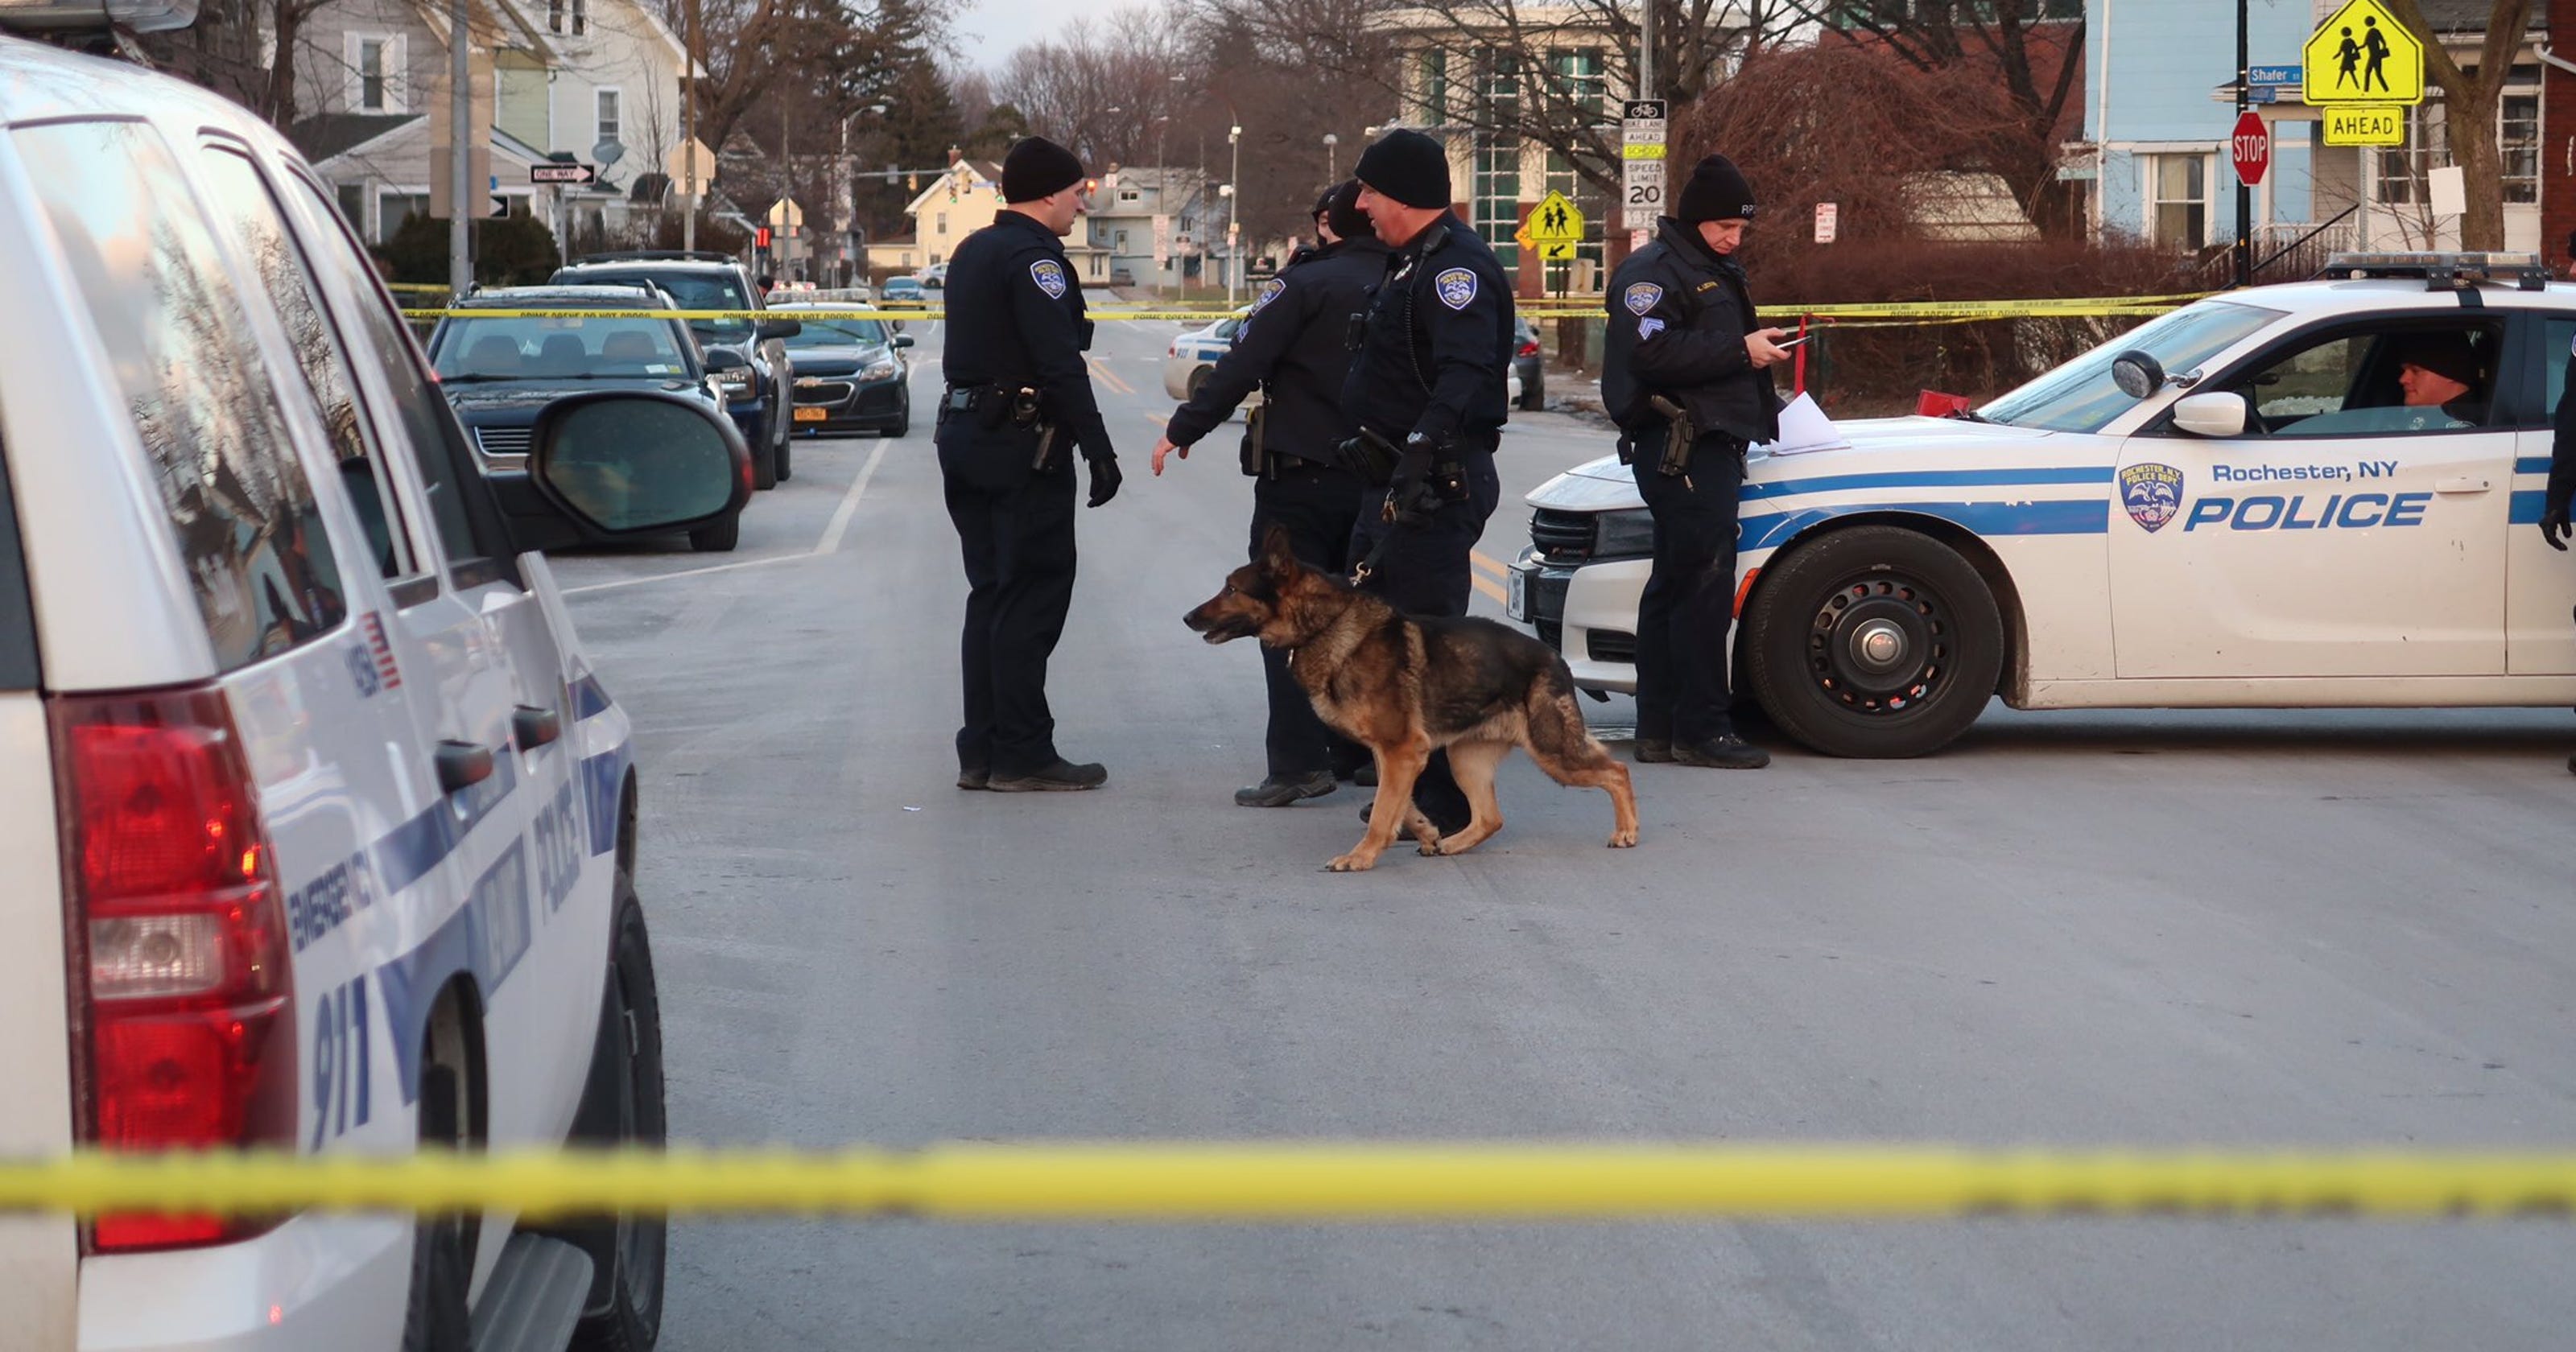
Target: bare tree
x=2470, y=100
x=240, y=49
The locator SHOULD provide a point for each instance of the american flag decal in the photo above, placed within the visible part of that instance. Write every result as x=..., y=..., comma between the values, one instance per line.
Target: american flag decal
x=381, y=651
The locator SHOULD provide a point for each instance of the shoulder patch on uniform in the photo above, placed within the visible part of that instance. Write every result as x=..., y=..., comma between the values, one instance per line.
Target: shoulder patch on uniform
x=1049, y=275
x=1642, y=297
x=1457, y=286
x=1648, y=327
x=1269, y=292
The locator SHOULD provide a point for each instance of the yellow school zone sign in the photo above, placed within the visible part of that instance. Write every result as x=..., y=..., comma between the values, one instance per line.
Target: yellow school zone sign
x=2362, y=54
x=1556, y=226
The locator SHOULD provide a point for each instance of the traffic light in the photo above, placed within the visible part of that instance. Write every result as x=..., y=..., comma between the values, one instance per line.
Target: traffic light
x=912, y=183
x=1090, y=186
x=760, y=237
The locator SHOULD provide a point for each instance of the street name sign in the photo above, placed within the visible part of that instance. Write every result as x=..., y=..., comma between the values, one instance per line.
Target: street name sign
x=2362, y=54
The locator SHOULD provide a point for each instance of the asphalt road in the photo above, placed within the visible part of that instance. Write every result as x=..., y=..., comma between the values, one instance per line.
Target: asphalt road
x=2072, y=929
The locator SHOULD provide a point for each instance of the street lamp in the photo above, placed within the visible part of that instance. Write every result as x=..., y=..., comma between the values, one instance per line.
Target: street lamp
x=1233, y=203
x=1332, y=173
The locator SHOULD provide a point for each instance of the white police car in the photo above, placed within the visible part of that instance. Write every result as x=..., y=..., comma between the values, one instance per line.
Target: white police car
x=322, y=828
x=2246, y=513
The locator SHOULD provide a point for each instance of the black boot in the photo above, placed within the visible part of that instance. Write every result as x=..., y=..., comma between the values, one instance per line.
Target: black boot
x=974, y=776
x=1281, y=790
x=1059, y=776
x=1654, y=751
x=1726, y=751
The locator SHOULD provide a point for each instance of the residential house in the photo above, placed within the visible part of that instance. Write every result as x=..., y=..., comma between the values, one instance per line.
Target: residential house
x=596, y=81
x=1120, y=221
x=960, y=202
x=2160, y=93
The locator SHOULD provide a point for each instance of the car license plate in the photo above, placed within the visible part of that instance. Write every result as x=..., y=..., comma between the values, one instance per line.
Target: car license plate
x=813, y=414
x=1518, y=605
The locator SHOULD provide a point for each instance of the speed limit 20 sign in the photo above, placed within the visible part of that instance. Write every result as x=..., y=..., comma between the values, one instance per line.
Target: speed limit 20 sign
x=1642, y=130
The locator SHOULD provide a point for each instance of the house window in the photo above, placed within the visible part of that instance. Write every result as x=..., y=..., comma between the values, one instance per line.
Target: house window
x=1576, y=78
x=394, y=208
x=1431, y=87
x=941, y=226
x=2518, y=140
x=1496, y=184
x=375, y=73
x=1130, y=195
x=609, y=127
x=1119, y=240
x=2179, y=187
x=554, y=16
x=580, y=17
x=2405, y=172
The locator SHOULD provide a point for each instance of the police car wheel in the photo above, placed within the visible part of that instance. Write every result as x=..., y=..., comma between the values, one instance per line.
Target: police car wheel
x=1873, y=642
x=1197, y=379
x=624, y=1105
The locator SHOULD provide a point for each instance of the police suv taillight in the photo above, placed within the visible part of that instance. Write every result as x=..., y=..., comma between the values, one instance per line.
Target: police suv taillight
x=183, y=1026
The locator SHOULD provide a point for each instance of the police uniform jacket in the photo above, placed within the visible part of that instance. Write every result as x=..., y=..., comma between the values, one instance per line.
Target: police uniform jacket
x=1295, y=345
x=1015, y=321
x=1438, y=346
x=1679, y=312
x=2562, y=446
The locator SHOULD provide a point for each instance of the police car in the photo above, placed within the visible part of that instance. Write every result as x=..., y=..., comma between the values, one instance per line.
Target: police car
x=322, y=827
x=2247, y=502
x=1191, y=356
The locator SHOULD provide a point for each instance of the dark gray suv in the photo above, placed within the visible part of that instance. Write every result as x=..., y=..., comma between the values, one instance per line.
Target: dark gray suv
x=748, y=358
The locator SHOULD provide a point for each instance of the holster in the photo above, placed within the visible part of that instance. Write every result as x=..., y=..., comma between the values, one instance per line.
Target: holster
x=1373, y=458
x=1255, y=462
x=1678, y=439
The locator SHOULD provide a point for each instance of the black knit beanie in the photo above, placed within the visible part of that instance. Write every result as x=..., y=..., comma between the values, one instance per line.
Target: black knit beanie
x=1341, y=208
x=1038, y=167
x=1407, y=166
x=1716, y=192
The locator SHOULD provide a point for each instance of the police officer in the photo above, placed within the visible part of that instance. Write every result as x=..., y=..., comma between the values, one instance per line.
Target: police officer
x=1434, y=357
x=1017, y=409
x=2556, y=499
x=1685, y=357
x=1294, y=345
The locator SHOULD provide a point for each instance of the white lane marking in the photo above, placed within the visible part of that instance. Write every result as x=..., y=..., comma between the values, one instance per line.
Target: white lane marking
x=830, y=542
x=850, y=501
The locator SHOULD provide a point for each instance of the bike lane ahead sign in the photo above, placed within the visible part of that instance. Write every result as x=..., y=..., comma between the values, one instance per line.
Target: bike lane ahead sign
x=2362, y=54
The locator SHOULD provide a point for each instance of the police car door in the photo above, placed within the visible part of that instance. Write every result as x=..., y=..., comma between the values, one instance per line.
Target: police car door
x=2341, y=534
x=2540, y=582
x=518, y=832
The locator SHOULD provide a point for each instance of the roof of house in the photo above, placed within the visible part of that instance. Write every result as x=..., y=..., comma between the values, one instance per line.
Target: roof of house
x=326, y=135
x=2470, y=16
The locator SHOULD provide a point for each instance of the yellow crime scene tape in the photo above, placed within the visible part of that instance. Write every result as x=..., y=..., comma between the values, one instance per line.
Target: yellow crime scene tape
x=1906, y=311
x=1197, y=1182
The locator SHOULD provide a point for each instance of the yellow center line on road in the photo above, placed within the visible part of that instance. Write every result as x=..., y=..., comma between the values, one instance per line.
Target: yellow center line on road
x=1493, y=591
x=1488, y=564
x=1101, y=369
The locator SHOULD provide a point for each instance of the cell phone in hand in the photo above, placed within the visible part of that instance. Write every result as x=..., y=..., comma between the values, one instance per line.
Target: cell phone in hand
x=1785, y=343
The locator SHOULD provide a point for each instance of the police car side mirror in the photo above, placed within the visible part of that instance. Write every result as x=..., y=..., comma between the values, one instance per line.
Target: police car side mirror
x=779, y=328
x=2137, y=373
x=2211, y=415
x=623, y=464
x=726, y=359
x=903, y=340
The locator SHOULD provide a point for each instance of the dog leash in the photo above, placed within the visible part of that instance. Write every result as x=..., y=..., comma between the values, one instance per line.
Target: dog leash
x=1377, y=554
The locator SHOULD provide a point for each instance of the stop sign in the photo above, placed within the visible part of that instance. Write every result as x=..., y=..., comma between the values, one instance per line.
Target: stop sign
x=2252, y=147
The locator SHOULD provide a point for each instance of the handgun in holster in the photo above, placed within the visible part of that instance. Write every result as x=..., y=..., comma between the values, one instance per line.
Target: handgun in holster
x=1026, y=410
x=1256, y=460
x=1372, y=457
x=1680, y=434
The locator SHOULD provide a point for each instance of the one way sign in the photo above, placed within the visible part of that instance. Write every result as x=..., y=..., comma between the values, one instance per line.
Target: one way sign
x=563, y=173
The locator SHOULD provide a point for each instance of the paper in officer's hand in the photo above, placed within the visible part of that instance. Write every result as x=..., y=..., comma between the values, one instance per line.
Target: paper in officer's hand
x=1803, y=427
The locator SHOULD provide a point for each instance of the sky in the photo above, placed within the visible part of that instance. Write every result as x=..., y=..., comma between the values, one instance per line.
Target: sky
x=991, y=30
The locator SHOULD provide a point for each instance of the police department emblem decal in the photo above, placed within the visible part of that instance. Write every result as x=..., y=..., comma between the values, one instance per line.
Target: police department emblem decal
x=1642, y=297
x=1269, y=292
x=1049, y=275
x=2152, y=493
x=1457, y=286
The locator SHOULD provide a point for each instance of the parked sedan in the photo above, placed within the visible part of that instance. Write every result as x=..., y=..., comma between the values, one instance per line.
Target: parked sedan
x=500, y=371
x=851, y=376
x=902, y=293
x=1528, y=364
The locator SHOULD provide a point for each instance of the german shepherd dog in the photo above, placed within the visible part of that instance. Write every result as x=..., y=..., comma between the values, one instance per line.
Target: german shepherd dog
x=1404, y=686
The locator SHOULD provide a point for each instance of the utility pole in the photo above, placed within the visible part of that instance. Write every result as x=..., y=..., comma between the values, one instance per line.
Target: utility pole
x=460, y=172
x=1233, y=207
x=2244, y=191
x=689, y=135
x=1646, y=53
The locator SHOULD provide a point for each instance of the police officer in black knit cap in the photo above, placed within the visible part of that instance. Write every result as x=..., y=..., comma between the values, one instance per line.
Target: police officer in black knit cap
x=1428, y=393
x=1017, y=410
x=1686, y=372
x=1294, y=345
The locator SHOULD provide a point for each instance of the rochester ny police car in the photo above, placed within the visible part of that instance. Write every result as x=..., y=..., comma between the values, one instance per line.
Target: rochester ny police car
x=2230, y=506
x=321, y=827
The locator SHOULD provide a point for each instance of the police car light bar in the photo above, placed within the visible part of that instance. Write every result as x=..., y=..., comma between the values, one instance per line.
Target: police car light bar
x=2441, y=271
x=60, y=16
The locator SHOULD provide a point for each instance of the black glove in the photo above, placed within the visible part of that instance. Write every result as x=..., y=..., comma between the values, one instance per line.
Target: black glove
x=1105, y=477
x=2554, y=527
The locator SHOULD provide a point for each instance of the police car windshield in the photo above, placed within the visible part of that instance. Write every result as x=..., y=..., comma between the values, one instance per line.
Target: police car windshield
x=2081, y=396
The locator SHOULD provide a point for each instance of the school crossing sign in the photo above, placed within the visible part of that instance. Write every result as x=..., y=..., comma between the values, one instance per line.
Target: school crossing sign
x=2362, y=54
